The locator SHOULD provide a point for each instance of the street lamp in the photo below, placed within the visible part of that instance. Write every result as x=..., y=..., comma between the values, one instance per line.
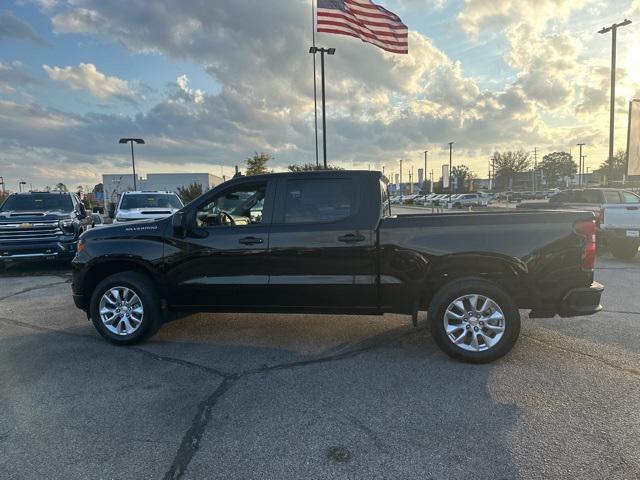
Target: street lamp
x=139, y=141
x=20, y=185
x=580, y=164
x=3, y=191
x=424, y=186
x=450, y=170
x=328, y=51
x=612, y=108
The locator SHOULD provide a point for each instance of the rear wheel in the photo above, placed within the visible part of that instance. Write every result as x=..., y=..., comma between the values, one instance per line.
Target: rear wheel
x=474, y=321
x=624, y=250
x=125, y=308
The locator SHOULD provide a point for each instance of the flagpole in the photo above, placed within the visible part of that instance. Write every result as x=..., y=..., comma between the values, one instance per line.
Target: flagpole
x=315, y=88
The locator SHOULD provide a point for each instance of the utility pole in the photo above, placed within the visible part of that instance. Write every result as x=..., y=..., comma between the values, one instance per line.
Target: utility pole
x=614, y=32
x=328, y=51
x=400, y=180
x=411, y=180
x=3, y=189
x=586, y=182
x=450, y=169
x=424, y=187
x=535, y=167
x=580, y=164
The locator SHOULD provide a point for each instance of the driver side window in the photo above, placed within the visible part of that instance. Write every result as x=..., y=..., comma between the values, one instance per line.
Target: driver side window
x=237, y=207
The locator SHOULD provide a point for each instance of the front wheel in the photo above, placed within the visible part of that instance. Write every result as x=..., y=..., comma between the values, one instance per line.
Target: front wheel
x=125, y=308
x=474, y=321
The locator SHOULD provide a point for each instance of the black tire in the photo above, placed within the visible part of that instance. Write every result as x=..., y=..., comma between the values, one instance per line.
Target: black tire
x=454, y=290
x=624, y=250
x=149, y=297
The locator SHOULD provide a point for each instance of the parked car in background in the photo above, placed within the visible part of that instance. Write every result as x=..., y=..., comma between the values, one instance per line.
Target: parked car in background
x=469, y=200
x=41, y=226
x=327, y=242
x=138, y=206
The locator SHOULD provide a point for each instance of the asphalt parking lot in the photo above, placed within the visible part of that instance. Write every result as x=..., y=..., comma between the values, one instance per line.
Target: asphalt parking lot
x=302, y=396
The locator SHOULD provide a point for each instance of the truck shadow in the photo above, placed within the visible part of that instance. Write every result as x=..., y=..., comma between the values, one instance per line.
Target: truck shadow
x=373, y=386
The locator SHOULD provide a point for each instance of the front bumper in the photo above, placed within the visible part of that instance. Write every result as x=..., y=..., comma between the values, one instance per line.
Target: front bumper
x=581, y=301
x=36, y=251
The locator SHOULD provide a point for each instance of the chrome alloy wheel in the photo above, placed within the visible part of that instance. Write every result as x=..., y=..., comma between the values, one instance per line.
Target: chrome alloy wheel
x=121, y=310
x=474, y=322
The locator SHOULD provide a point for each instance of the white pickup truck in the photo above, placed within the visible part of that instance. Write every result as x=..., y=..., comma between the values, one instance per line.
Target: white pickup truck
x=137, y=206
x=620, y=228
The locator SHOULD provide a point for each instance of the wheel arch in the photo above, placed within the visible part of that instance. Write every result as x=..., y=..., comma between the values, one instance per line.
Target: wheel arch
x=103, y=269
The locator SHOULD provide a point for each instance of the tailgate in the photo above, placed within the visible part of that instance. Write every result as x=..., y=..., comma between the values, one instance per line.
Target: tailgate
x=621, y=217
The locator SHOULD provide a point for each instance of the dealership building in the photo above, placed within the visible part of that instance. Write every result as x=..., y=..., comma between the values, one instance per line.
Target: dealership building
x=115, y=184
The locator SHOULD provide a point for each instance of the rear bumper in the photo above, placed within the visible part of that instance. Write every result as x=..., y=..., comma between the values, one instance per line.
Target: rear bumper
x=581, y=301
x=37, y=251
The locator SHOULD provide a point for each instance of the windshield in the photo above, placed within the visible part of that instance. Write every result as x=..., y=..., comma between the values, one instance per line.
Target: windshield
x=38, y=202
x=151, y=200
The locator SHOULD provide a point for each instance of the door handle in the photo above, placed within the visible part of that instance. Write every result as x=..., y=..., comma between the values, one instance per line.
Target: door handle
x=250, y=240
x=351, y=238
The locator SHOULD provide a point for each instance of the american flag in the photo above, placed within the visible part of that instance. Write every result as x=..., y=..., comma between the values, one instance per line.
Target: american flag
x=365, y=20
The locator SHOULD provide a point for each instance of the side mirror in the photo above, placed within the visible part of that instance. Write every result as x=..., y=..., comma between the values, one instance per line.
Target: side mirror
x=179, y=224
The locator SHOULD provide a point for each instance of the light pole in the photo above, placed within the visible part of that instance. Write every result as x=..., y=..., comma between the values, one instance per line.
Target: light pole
x=3, y=191
x=400, y=180
x=424, y=186
x=328, y=51
x=139, y=141
x=20, y=185
x=450, y=169
x=580, y=164
x=614, y=32
x=584, y=168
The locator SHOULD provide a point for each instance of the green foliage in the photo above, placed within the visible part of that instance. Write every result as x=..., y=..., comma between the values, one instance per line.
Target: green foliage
x=310, y=167
x=62, y=187
x=190, y=192
x=557, y=165
x=257, y=164
x=508, y=164
x=463, y=176
x=619, y=165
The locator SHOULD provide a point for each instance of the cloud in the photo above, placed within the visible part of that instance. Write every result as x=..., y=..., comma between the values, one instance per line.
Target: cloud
x=12, y=27
x=12, y=73
x=87, y=77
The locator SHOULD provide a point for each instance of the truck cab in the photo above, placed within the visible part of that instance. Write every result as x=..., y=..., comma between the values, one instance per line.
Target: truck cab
x=40, y=226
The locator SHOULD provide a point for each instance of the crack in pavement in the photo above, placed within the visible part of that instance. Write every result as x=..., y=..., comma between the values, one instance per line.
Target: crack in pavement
x=30, y=289
x=630, y=370
x=190, y=442
x=621, y=311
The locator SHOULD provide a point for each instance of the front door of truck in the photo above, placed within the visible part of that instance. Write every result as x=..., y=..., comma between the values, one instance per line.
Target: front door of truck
x=322, y=248
x=222, y=260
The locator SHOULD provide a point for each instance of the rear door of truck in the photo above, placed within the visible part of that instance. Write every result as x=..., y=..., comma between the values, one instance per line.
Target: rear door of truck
x=322, y=244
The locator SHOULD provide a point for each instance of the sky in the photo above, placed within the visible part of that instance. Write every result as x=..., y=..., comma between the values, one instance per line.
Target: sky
x=207, y=84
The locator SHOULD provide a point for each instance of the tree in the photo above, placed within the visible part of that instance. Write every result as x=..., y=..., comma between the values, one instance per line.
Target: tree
x=507, y=165
x=257, y=164
x=310, y=167
x=463, y=175
x=619, y=165
x=190, y=192
x=557, y=165
x=62, y=187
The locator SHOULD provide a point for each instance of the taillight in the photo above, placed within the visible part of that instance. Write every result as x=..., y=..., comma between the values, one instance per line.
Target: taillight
x=587, y=228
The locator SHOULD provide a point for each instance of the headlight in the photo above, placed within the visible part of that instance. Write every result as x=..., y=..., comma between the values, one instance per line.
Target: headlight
x=66, y=224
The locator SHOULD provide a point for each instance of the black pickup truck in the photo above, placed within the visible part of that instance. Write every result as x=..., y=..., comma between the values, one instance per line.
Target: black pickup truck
x=327, y=242
x=40, y=226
